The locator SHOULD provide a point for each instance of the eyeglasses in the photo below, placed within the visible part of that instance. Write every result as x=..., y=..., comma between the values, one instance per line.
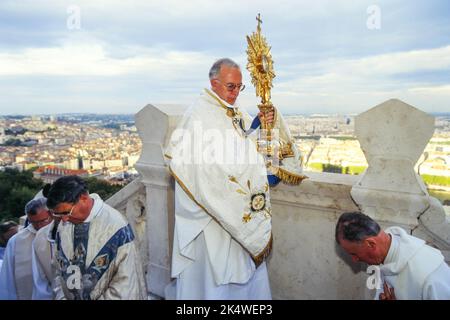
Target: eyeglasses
x=64, y=213
x=39, y=222
x=231, y=86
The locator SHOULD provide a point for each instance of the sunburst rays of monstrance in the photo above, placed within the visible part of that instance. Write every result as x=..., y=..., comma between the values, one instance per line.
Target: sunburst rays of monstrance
x=260, y=66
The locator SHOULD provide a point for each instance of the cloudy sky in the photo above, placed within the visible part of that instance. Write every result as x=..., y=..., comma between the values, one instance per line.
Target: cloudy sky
x=115, y=56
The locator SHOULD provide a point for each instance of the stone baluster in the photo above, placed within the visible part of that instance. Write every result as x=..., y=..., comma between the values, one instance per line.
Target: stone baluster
x=155, y=125
x=393, y=135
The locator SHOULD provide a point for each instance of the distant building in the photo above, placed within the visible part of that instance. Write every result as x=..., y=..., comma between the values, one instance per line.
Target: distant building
x=49, y=174
x=60, y=141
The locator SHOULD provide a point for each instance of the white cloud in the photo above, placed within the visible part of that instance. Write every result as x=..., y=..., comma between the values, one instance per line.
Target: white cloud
x=359, y=75
x=162, y=50
x=339, y=84
x=400, y=62
x=93, y=60
x=434, y=90
x=355, y=84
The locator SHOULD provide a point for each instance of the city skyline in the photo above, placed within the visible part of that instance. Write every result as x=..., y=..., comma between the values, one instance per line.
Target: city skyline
x=108, y=146
x=110, y=57
x=67, y=114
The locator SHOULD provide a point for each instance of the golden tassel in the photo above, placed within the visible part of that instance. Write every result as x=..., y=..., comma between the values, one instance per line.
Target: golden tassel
x=286, y=176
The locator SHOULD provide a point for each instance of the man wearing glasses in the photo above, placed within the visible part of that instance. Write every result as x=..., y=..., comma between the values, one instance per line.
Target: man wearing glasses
x=16, y=279
x=222, y=206
x=96, y=255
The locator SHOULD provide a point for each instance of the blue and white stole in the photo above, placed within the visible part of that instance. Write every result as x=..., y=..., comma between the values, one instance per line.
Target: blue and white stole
x=79, y=280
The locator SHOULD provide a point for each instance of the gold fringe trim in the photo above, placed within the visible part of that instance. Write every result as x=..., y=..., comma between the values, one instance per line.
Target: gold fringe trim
x=167, y=156
x=259, y=258
x=286, y=176
x=264, y=254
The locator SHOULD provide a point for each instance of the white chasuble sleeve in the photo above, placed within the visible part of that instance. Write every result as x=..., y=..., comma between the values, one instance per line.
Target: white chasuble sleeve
x=437, y=285
x=7, y=281
x=41, y=286
x=222, y=172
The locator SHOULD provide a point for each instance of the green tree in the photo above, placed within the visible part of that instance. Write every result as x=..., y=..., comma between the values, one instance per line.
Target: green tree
x=101, y=187
x=436, y=180
x=16, y=201
x=16, y=189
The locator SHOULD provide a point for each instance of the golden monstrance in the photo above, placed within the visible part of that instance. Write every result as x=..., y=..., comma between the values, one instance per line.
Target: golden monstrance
x=282, y=157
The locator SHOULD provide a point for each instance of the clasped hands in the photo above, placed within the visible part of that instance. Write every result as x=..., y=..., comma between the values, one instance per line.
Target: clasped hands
x=388, y=294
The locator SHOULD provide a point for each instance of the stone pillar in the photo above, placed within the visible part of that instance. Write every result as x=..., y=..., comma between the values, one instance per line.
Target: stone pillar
x=393, y=135
x=155, y=125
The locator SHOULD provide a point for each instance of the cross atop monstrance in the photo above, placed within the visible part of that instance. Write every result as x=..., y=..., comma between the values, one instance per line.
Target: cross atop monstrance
x=278, y=152
x=260, y=65
x=258, y=18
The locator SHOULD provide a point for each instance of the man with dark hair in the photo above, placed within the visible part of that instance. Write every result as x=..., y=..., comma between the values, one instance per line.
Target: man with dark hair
x=409, y=268
x=7, y=230
x=96, y=253
x=16, y=280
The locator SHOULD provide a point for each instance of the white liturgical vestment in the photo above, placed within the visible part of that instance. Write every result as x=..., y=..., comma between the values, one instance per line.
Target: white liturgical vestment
x=16, y=281
x=44, y=270
x=415, y=270
x=98, y=259
x=222, y=205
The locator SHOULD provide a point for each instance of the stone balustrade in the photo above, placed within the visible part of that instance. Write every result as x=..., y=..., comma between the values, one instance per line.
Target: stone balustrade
x=305, y=262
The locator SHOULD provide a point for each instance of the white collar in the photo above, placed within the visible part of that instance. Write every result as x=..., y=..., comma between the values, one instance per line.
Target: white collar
x=96, y=208
x=392, y=252
x=223, y=103
x=31, y=229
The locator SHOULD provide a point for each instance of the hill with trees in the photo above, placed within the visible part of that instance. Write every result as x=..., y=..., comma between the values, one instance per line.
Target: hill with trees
x=17, y=188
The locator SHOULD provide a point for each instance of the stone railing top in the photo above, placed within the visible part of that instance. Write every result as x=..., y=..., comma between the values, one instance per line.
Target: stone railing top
x=154, y=122
x=332, y=178
x=327, y=191
x=125, y=193
x=155, y=125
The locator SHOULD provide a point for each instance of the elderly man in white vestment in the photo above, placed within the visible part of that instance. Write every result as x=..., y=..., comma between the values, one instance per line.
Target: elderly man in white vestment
x=223, y=230
x=43, y=254
x=410, y=269
x=96, y=255
x=16, y=280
